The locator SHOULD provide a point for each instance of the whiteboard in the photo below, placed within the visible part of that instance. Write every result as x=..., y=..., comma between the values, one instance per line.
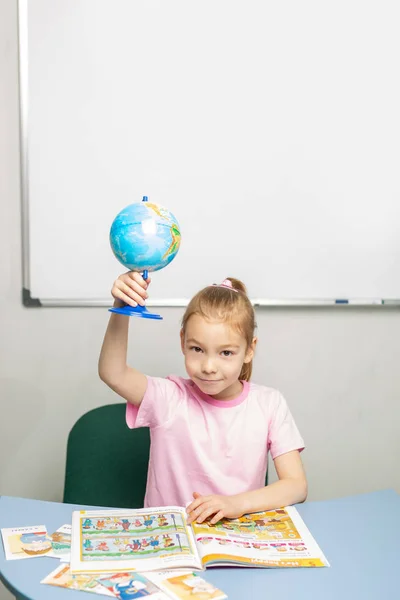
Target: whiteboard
x=270, y=129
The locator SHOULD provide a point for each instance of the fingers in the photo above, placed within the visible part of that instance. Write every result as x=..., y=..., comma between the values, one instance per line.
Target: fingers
x=131, y=288
x=199, y=507
x=195, y=504
x=207, y=512
x=218, y=517
x=198, y=499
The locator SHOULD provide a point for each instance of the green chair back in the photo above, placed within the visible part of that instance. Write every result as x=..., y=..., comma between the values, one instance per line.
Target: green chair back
x=106, y=461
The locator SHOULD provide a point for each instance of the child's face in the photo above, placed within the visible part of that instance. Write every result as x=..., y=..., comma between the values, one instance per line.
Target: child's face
x=214, y=354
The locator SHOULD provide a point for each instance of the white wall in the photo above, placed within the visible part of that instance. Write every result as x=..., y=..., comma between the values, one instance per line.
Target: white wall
x=337, y=367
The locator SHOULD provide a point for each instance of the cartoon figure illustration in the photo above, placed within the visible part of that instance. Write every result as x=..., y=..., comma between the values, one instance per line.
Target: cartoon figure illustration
x=59, y=537
x=245, y=527
x=102, y=546
x=193, y=586
x=148, y=520
x=87, y=524
x=168, y=541
x=276, y=534
x=129, y=590
x=162, y=521
x=280, y=547
x=125, y=524
x=138, y=523
x=205, y=540
x=228, y=526
x=100, y=525
x=261, y=522
x=145, y=543
x=154, y=542
x=242, y=544
x=110, y=523
x=224, y=541
x=120, y=544
x=257, y=545
x=260, y=545
x=87, y=544
x=199, y=585
x=135, y=546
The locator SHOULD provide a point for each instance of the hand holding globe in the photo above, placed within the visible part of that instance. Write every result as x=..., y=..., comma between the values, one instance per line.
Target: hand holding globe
x=144, y=237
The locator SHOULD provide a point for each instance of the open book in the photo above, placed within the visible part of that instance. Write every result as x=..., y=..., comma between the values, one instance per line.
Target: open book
x=154, y=539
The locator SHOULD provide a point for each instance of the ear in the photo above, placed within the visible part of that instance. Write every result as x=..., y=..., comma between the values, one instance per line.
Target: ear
x=250, y=351
x=182, y=336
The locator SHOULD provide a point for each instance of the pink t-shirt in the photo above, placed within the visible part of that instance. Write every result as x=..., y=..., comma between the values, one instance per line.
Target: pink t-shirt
x=199, y=444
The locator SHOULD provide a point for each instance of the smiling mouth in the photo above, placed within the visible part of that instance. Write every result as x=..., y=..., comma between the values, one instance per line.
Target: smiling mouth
x=209, y=380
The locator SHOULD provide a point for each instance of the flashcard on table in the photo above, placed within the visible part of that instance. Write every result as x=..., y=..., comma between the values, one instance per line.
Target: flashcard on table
x=62, y=577
x=61, y=543
x=185, y=585
x=128, y=586
x=26, y=542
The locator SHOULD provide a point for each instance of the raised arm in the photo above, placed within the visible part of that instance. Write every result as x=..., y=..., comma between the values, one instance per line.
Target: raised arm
x=129, y=288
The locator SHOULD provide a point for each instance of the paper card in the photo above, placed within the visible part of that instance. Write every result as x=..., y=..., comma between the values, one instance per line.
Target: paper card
x=26, y=542
x=62, y=577
x=61, y=543
x=127, y=586
x=186, y=585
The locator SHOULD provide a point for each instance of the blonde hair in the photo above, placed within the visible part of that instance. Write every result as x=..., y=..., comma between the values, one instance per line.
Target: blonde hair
x=231, y=305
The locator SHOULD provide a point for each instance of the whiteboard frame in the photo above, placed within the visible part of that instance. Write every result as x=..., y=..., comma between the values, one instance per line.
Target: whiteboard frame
x=30, y=302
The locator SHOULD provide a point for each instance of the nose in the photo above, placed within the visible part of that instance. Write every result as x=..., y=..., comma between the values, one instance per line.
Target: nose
x=208, y=366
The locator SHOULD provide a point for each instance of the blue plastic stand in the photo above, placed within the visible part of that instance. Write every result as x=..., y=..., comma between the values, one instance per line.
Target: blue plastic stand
x=137, y=311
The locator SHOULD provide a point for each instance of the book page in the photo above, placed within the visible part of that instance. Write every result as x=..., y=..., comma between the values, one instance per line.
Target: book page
x=111, y=541
x=275, y=538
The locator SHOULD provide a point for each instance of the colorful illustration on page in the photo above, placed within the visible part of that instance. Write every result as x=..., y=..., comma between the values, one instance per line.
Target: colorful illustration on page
x=144, y=536
x=264, y=539
x=26, y=542
x=270, y=525
x=127, y=586
x=186, y=585
x=62, y=577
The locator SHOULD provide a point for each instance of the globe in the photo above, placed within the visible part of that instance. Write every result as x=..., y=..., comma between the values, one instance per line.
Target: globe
x=145, y=236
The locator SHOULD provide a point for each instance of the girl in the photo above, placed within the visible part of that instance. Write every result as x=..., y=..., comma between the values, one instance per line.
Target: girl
x=211, y=433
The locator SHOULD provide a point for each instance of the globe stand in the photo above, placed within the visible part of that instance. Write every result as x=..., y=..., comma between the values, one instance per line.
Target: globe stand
x=137, y=311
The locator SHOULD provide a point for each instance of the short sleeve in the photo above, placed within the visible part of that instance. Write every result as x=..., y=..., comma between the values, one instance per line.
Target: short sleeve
x=283, y=435
x=159, y=404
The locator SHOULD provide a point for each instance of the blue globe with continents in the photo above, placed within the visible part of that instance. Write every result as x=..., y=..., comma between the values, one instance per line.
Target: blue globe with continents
x=144, y=237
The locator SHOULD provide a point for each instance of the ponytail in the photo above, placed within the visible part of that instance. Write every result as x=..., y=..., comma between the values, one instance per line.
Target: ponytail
x=238, y=285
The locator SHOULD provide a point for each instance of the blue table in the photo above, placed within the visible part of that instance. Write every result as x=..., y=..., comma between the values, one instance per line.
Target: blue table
x=359, y=535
